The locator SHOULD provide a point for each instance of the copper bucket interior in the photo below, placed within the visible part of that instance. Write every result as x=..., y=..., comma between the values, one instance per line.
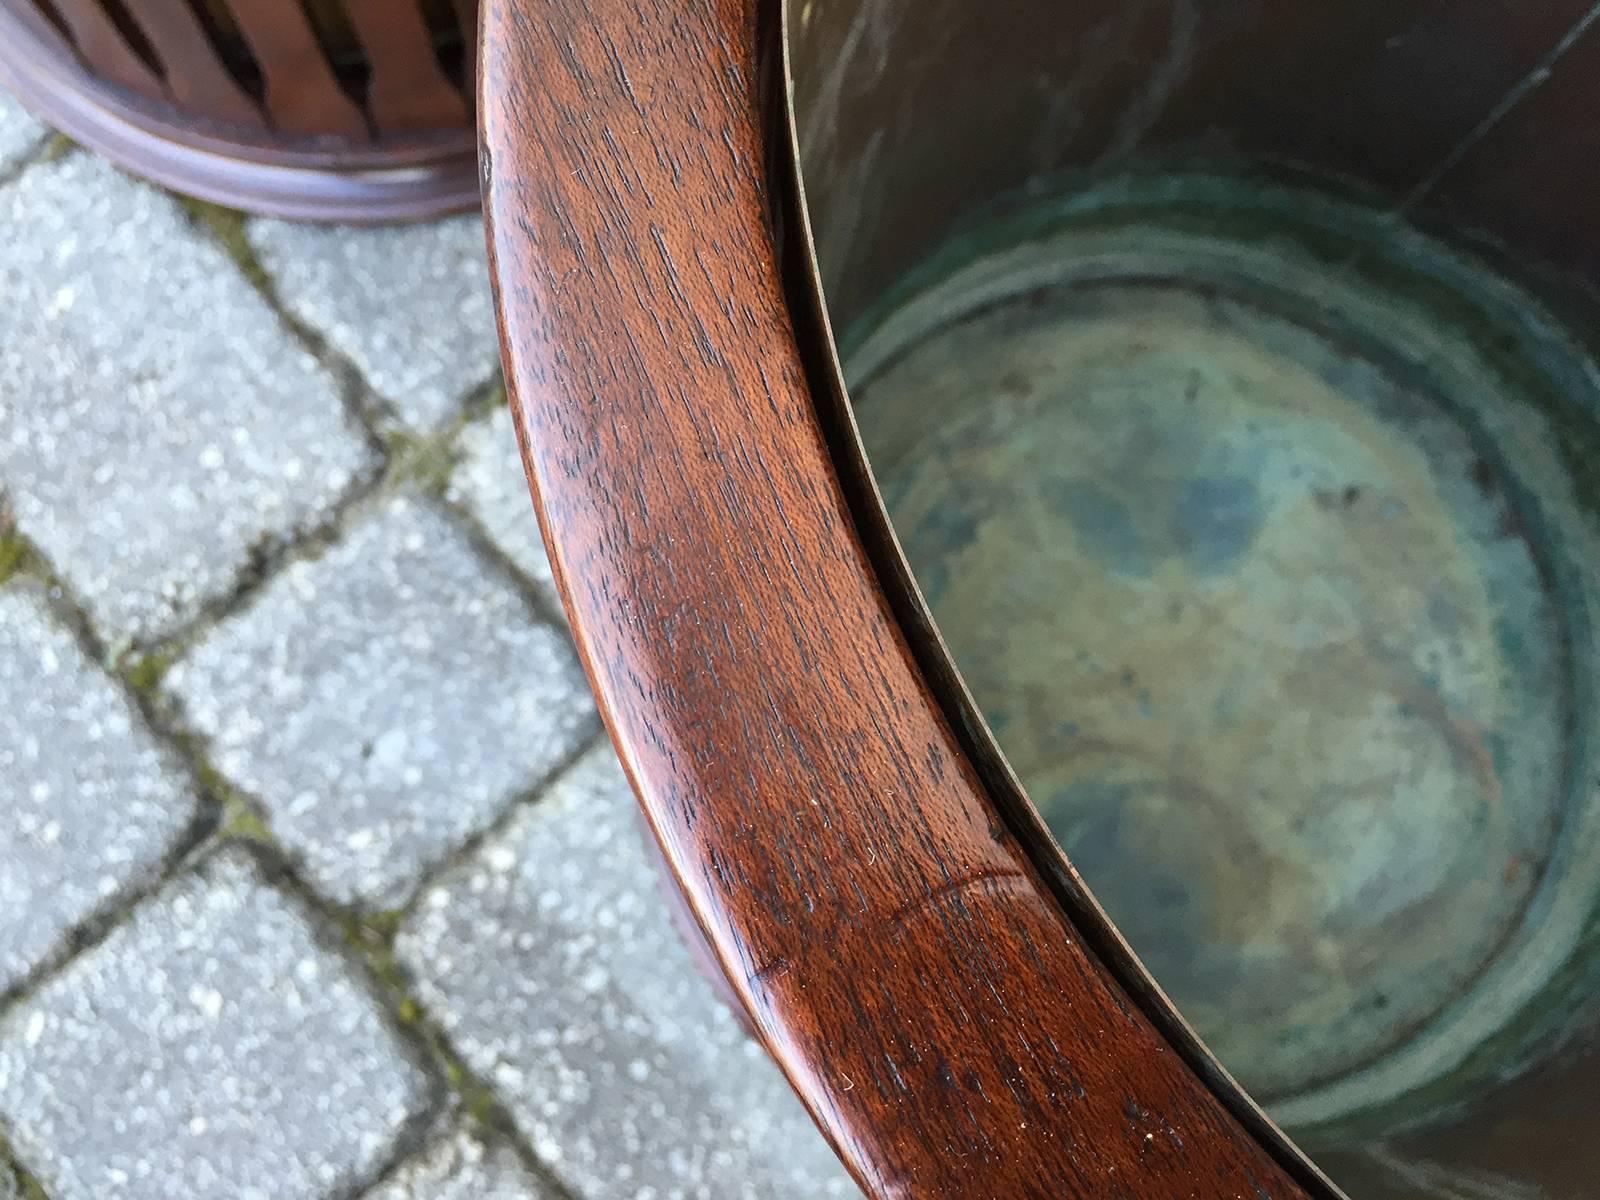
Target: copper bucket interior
x=1227, y=372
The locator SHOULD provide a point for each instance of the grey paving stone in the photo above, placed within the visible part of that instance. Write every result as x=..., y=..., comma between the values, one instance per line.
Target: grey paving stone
x=208, y=1048
x=460, y=1167
x=409, y=305
x=88, y=806
x=19, y=135
x=385, y=701
x=554, y=967
x=490, y=484
x=156, y=421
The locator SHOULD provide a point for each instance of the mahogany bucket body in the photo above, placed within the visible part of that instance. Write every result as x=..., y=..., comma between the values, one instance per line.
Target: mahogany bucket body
x=315, y=109
x=1153, y=639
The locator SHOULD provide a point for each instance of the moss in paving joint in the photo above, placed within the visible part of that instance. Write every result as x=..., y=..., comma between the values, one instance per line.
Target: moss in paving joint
x=240, y=822
x=226, y=225
x=144, y=672
x=16, y=555
x=423, y=462
x=378, y=928
x=427, y=460
x=28, y=1187
x=478, y=1101
x=371, y=938
x=237, y=818
x=226, y=812
x=58, y=147
x=485, y=404
x=371, y=935
x=19, y=556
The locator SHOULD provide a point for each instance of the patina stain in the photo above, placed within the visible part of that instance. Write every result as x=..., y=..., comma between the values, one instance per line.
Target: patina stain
x=1253, y=590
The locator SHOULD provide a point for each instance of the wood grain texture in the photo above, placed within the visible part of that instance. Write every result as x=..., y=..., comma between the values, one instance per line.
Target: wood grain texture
x=198, y=121
x=407, y=88
x=196, y=76
x=894, y=944
x=104, y=48
x=303, y=94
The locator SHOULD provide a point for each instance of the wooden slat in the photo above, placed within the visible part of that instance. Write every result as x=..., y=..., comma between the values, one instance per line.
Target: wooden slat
x=302, y=94
x=408, y=89
x=104, y=50
x=196, y=76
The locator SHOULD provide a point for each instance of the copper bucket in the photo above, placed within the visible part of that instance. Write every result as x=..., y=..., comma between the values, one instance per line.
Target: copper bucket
x=321, y=109
x=1229, y=374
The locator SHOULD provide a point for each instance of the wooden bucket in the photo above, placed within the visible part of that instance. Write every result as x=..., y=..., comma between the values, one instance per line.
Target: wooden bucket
x=319, y=109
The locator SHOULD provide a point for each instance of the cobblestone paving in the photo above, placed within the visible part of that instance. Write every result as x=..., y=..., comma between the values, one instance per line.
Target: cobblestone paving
x=317, y=877
x=71, y=751
x=408, y=305
x=20, y=134
x=462, y=1167
x=214, y=434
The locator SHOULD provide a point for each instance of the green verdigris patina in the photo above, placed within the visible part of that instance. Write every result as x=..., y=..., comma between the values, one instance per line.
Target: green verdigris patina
x=1245, y=516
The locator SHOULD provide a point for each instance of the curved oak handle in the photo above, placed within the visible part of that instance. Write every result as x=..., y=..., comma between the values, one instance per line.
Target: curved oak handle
x=896, y=949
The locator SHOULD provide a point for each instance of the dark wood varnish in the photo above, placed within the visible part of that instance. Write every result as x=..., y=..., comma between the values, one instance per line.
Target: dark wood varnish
x=300, y=91
x=104, y=48
x=894, y=943
x=407, y=88
x=195, y=77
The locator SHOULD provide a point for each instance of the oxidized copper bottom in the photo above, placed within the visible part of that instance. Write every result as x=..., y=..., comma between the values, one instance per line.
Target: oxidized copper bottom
x=1248, y=563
